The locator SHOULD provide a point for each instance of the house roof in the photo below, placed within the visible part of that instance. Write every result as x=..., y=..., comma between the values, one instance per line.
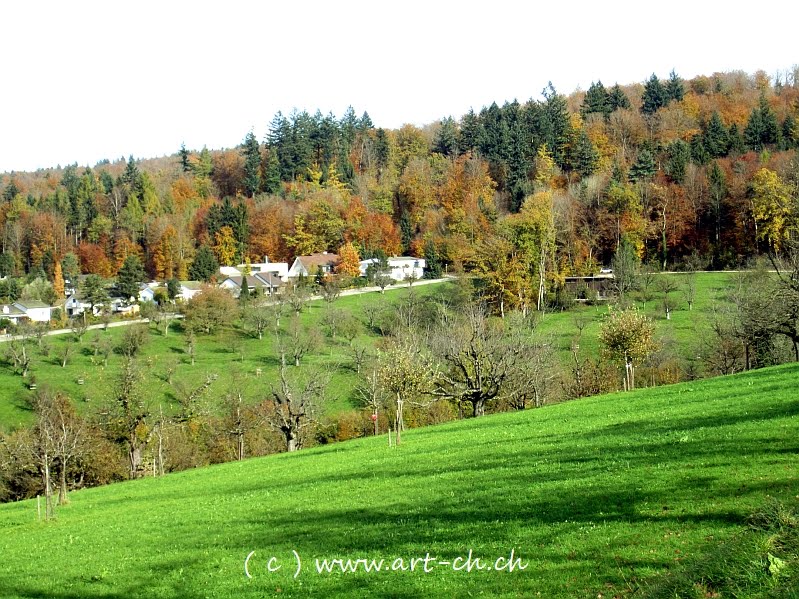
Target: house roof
x=31, y=304
x=268, y=278
x=10, y=310
x=193, y=285
x=324, y=259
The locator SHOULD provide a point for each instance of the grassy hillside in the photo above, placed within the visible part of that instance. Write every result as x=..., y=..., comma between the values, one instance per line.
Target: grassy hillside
x=595, y=496
x=215, y=353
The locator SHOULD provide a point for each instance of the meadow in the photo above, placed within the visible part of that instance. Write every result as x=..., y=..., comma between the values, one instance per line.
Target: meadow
x=613, y=495
x=233, y=352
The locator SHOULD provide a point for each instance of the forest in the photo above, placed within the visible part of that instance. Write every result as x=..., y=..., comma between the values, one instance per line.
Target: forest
x=522, y=194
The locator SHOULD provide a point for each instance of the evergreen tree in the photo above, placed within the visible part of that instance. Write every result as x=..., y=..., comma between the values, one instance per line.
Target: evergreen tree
x=678, y=156
x=132, y=176
x=790, y=133
x=597, y=100
x=446, y=142
x=699, y=153
x=555, y=125
x=252, y=165
x=204, y=266
x=644, y=166
x=365, y=124
x=762, y=128
x=130, y=277
x=433, y=266
x=406, y=231
x=586, y=156
x=185, y=165
x=172, y=288
x=382, y=150
x=716, y=138
x=618, y=99
x=471, y=133
x=675, y=90
x=272, y=183
x=244, y=294
x=736, y=140
x=654, y=97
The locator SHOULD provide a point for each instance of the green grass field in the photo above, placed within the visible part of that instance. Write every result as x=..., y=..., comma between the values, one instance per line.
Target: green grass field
x=214, y=354
x=596, y=497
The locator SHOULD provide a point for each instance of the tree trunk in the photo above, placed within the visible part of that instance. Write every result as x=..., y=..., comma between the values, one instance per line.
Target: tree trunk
x=62, y=484
x=478, y=408
x=241, y=445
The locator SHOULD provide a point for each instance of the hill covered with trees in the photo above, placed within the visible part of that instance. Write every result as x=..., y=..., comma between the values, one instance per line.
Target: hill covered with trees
x=522, y=194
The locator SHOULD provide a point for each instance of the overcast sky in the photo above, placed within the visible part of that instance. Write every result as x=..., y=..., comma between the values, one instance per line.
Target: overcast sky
x=83, y=81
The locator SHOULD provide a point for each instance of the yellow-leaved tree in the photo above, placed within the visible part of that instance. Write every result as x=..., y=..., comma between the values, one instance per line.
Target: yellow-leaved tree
x=627, y=337
x=349, y=260
x=771, y=208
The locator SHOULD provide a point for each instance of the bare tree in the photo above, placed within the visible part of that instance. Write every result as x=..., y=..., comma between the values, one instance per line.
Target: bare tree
x=689, y=288
x=298, y=341
x=189, y=397
x=256, y=317
x=331, y=291
x=293, y=404
x=483, y=361
x=667, y=285
x=58, y=434
x=371, y=394
x=66, y=351
x=297, y=298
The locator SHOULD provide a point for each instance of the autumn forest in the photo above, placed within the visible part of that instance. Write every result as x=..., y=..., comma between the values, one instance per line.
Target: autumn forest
x=519, y=194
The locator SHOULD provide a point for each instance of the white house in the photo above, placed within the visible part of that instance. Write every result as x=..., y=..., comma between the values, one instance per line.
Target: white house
x=399, y=267
x=188, y=289
x=12, y=313
x=229, y=271
x=146, y=293
x=35, y=310
x=265, y=283
x=308, y=266
x=278, y=269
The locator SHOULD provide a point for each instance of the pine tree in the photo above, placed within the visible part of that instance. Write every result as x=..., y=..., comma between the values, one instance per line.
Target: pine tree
x=597, y=100
x=699, y=153
x=252, y=164
x=618, y=99
x=446, y=142
x=586, y=156
x=736, y=140
x=471, y=133
x=433, y=267
x=679, y=155
x=675, y=90
x=185, y=165
x=716, y=138
x=204, y=267
x=406, y=231
x=654, y=97
x=244, y=294
x=644, y=167
x=272, y=183
x=130, y=277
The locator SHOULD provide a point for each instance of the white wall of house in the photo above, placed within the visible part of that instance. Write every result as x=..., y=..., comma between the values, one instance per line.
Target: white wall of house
x=36, y=314
x=400, y=267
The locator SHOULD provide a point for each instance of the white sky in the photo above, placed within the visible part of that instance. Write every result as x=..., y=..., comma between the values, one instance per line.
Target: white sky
x=83, y=81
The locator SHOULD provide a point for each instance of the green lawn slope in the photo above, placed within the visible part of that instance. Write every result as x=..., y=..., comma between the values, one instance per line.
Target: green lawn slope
x=597, y=497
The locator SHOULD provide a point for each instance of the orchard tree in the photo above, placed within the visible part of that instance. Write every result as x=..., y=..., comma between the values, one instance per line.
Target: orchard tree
x=293, y=402
x=627, y=338
x=405, y=375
